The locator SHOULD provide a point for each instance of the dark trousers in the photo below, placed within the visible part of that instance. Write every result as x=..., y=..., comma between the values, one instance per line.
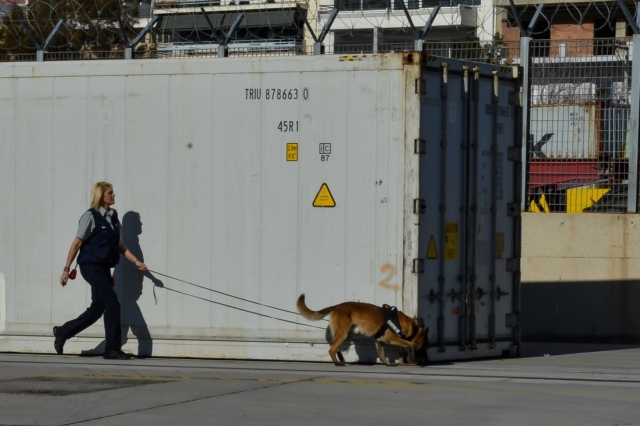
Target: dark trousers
x=104, y=300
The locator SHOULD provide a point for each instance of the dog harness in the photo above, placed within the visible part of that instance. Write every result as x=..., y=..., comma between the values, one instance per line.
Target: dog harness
x=391, y=321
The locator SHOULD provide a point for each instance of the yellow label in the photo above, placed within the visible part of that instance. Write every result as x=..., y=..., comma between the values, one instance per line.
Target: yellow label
x=451, y=241
x=432, y=252
x=324, y=197
x=292, y=152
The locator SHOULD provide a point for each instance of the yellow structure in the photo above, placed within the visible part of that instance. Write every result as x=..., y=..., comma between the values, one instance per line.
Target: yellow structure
x=581, y=198
x=578, y=199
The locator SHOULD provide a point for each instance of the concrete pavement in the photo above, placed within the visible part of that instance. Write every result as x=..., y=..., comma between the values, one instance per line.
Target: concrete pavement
x=552, y=384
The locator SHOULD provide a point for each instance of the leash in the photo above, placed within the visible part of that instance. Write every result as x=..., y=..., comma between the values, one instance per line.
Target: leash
x=225, y=305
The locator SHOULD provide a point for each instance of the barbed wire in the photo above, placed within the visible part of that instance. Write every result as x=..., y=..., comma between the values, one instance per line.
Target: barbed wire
x=93, y=24
x=576, y=13
x=87, y=23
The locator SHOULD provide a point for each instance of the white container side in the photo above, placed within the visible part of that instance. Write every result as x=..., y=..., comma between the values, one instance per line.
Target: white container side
x=565, y=131
x=197, y=151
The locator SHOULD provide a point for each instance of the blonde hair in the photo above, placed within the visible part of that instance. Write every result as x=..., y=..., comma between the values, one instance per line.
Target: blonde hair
x=98, y=192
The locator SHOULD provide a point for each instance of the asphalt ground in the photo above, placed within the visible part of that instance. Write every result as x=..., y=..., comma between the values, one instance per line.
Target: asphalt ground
x=552, y=384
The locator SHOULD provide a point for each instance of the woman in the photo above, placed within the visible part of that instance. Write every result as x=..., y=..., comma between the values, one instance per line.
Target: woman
x=98, y=240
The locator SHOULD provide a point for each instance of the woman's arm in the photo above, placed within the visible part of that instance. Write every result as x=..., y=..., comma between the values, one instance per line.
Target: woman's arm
x=130, y=256
x=73, y=251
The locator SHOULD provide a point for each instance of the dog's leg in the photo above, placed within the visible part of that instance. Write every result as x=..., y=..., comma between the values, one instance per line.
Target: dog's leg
x=340, y=334
x=333, y=351
x=406, y=357
x=383, y=358
x=392, y=339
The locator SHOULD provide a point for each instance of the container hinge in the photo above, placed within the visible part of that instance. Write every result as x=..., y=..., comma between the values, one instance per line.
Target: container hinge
x=420, y=146
x=514, y=98
x=513, y=209
x=418, y=266
x=512, y=320
x=419, y=206
x=513, y=264
x=514, y=154
x=421, y=87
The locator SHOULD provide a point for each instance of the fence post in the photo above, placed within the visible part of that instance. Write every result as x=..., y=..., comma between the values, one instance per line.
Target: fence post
x=525, y=62
x=634, y=118
x=377, y=36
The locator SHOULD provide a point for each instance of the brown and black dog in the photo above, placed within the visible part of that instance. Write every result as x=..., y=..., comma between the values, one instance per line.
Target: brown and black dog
x=368, y=320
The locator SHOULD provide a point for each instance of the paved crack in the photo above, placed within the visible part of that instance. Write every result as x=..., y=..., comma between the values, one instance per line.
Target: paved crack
x=194, y=400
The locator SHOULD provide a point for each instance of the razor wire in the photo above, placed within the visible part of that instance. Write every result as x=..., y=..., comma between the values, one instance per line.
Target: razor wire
x=87, y=23
x=92, y=24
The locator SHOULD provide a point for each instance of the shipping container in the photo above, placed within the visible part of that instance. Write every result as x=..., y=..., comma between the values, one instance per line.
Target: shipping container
x=567, y=131
x=244, y=182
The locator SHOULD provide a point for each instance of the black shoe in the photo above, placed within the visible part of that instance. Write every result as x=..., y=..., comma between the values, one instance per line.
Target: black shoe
x=111, y=354
x=59, y=342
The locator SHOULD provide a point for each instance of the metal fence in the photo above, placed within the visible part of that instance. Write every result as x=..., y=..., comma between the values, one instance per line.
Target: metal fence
x=504, y=53
x=578, y=153
x=18, y=57
x=497, y=53
x=357, y=5
x=83, y=55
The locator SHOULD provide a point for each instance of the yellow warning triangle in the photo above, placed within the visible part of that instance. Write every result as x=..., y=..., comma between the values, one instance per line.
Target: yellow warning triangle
x=432, y=253
x=324, y=197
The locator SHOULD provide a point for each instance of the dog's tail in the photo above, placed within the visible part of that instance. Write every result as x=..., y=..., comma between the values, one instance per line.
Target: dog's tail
x=308, y=313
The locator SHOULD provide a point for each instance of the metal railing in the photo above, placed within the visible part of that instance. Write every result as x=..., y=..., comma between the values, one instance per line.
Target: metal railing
x=162, y=4
x=18, y=57
x=364, y=5
x=265, y=47
x=497, y=53
x=83, y=55
x=503, y=53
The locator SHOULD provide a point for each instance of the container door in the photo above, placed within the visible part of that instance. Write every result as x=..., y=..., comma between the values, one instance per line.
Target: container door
x=470, y=187
x=443, y=192
x=494, y=213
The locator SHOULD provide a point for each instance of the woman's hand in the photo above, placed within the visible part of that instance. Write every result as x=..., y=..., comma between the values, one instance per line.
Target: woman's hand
x=75, y=246
x=141, y=266
x=64, y=278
